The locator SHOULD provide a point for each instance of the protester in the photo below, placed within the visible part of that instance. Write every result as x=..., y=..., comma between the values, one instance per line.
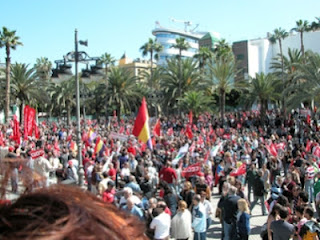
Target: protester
x=243, y=220
x=199, y=222
x=181, y=222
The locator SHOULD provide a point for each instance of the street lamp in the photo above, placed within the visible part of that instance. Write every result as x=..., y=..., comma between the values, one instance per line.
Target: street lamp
x=64, y=68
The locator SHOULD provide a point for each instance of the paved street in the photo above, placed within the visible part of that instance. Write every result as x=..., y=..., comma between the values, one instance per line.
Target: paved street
x=256, y=221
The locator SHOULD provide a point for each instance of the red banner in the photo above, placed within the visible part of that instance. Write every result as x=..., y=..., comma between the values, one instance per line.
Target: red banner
x=239, y=171
x=16, y=130
x=36, y=153
x=193, y=169
x=29, y=118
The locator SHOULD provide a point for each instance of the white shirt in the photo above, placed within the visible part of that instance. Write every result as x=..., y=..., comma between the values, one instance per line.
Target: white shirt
x=161, y=224
x=208, y=207
x=125, y=172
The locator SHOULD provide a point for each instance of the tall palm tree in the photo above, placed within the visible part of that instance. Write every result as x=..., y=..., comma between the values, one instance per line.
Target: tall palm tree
x=202, y=56
x=315, y=25
x=280, y=34
x=152, y=48
x=307, y=78
x=182, y=45
x=301, y=27
x=9, y=40
x=62, y=95
x=25, y=87
x=43, y=68
x=108, y=61
x=197, y=102
x=122, y=89
x=222, y=74
x=222, y=49
x=262, y=89
x=180, y=76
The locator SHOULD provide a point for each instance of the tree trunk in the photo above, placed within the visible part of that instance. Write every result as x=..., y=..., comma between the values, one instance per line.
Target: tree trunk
x=7, y=107
x=68, y=114
x=21, y=113
x=262, y=111
x=222, y=104
x=302, y=46
x=107, y=85
x=283, y=82
x=118, y=111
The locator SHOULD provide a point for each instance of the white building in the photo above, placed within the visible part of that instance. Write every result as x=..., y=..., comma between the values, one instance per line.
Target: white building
x=167, y=37
x=256, y=55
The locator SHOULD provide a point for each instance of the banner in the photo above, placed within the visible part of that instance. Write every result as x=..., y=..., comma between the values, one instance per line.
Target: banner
x=182, y=151
x=118, y=136
x=239, y=171
x=191, y=170
x=36, y=153
x=16, y=130
x=29, y=118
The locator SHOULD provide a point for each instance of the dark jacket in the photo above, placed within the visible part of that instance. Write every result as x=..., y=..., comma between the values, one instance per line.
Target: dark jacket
x=230, y=208
x=258, y=187
x=243, y=224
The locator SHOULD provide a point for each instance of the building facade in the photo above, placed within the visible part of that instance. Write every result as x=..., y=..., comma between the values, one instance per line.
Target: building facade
x=167, y=37
x=255, y=56
x=209, y=40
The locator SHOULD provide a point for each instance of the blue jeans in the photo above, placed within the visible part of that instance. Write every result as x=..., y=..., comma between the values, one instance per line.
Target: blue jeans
x=249, y=191
x=255, y=201
x=308, y=184
x=229, y=231
x=199, y=236
x=209, y=222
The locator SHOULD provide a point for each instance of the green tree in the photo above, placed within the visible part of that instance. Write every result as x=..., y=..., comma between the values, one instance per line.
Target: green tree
x=307, y=80
x=108, y=61
x=222, y=74
x=197, y=102
x=202, y=56
x=222, y=49
x=43, y=68
x=182, y=45
x=122, y=89
x=25, y=88
x=279, y=35
x=301, y=27
x=9, y=40
x=152, y=48
x=262, y=89
x=180, y=76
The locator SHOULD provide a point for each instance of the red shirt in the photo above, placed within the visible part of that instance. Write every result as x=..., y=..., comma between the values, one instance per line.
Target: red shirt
x=108, y=196
x=167, y=174
x=112, y=173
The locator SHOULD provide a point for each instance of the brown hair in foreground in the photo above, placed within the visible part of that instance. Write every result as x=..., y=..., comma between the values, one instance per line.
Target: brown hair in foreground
x=64, y=212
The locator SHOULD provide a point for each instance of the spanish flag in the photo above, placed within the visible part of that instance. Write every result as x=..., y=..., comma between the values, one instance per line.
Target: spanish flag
x=100, y=147
x=141, y=125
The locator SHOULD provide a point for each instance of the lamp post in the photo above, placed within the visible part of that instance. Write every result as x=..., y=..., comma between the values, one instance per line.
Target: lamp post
x=80, y=170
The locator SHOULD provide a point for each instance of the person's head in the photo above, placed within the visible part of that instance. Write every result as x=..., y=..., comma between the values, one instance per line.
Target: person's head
x=132, y=178
x=296, y=191
x=182, y=205
x=225, y=188
x=303, y=198
x=275, y=210
x=232, y=190
x=308, y=213
x=238, y=185
x=127, y=192
x=203, y=195
x=283, y=213
x=153, y=203
x=130, y=203
x=243, y=205
x=299, y=211
x=65, y=212
x=110, y=185
x=196, y=199
x=187, y=185
x=162, y=206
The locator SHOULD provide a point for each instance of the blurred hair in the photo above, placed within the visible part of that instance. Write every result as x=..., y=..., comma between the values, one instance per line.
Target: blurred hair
x=243, y=205
x=66, y=212
x=182, y=205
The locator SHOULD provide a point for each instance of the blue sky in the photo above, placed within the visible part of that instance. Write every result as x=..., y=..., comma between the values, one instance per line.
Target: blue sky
x=46, y=27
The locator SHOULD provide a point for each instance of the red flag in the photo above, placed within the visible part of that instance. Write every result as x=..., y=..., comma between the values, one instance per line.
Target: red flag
x=170, y=131
x=1, y=139
x=200, y=140
x=272, y=149
x=190, y=117
x=281, y=146
x=182, y=131
x=192, y=147
x=211, y=130
x=239, y=171
x=29, y=118
x=157, y=128
x=36, y=130
x=316, y=151
x=189, y=132
x=194, y=127
x=16, y=130
x=54, y=127
x=191, y=170
x=308, y=146
x=308, y=120
x=121, y=130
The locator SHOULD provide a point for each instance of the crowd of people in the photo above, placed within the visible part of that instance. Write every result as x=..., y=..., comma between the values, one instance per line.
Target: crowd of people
x=244, y=160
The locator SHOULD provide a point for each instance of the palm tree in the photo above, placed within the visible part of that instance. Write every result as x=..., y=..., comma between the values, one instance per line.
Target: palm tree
x=222, y=74
x=262, y=89
x=9, y=40
x=278, y=35
x=197, y=102
x=315, y=25
x=307, y=78
x=108, y=61
x=122, y=89
x=43, y=68
x=177, y=77
x=182, y=45
x=301, y=27
x=62, y=95
x=202, y=56
x=222, y=49
x=25, y=87
x=153, y=48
